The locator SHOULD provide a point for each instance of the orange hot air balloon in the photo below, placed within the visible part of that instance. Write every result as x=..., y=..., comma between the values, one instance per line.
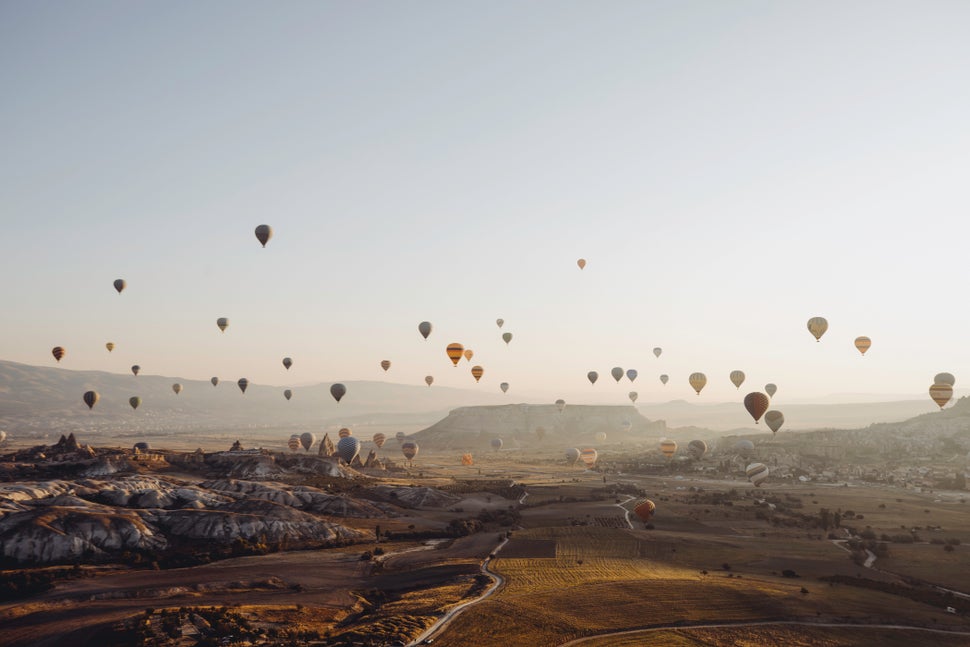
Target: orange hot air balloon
x=466, y=459
x=385, y=364
x=455, y=352
x=862, y=344
x=477, y=372
x=668, y=448
x=756, y=403
x=644, y=510
x=582, y=263
x=58, y=352
x=343, y=433
x=588, y=456
x=469, y=354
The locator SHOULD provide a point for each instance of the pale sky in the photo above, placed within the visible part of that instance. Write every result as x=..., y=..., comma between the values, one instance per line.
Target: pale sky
x=728, y=169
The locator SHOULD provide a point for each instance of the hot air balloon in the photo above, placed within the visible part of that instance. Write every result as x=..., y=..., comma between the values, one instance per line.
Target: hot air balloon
x=817, y=326
x=141, y=446
x=477, y=372
x=657, y=351
x=410, y=450
x=287, y=363
x=626, y=426
x=588, y=456
x=469, y=353
x=941, y=394
x=600, y=436
x=385, y=364
x=287, y=393
x=757, y=473
x=120, y=285
x=770, y=390
x=668, y=448
x=862, y=344
x=90, y=398
x=633, y=397
x=774, y=419
x=500, y=322
x=135, y=369
x=338, y=391
x=466, y=460
x=581, y=262
x=263, y=234
x=540, y=432
x=307, y=439
x=697, y=381
x=294, y=443
x=663, y=379
x=58, y=352
x=454, y=352
x=400, y=436
x=756, y=403
x=744, y=448
x=945, y=378
x=134, y=401
x=504, y=386
x=697, y=449
x=110, y=346
x=496, y=444
x=631, y=374
x=424, y=328
x=242, y=383
x=379, y=439
x=617, y=373
x=429, y=380
x=644, y=510
x=177, y=388
x=223, y=323
x=737, y=378
x=592, y=376
x=215, y=381
x=561, y=404
x=506, y=337
x=344, y=432
x=572, y=455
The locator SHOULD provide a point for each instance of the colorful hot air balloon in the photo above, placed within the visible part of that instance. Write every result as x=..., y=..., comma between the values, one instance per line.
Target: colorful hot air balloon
x=348, y=448
x=90, y=398
x=668, y=448
x=774, y=419
x=644, y=510
x=469, y=353
x=506, y=337
x=58, y=352
x=633, y=397
x=263, y=234
x=631, y=374
x=243, y=384
x=657, y=351
x=454, y=352
x=941, y=394
x=215, y=381
x=592, y=376
x=120, y=285
x=500, y=322
x=287, y=393
x=379, y=439
x=617, y=373
x=697, y=449
x=410, y=450
x=496, y=444
x=744, y=448
x=697, y=381
x=424, y=328
x=307, y=439
x=504, y=386
x=429, y=380
x=581, y=262
x=400, y=436
x=540, y=432
x=477, y=372
x=561, y=404
x=466, y=460
x=110, y=346
x=287, y=363
x=945, y=378
x=572, y=455
x=134, y=401
x=294, y=443
x=817, y=326
x=223, y=323
x=756, y=403
x=862, y=344
x=588, y=456
x=600, y=436
x=737, y=378
x=663, y=379
x=770, y=390
x=385, y=364
x=344, y=432
x=757, y=473
x=338, y=391
x=177, y=388
x=135, y=369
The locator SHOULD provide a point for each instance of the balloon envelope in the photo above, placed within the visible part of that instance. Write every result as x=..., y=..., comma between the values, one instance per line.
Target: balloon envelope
x=496, y=444
x=58, y=352
x=945, y=378
x=409, y=449
x=287, y=394
x=454, y=351
x=644, y=510
x=770, y=390
x=941, y=394
x=863, y=344
x=668, y=447
x=343, y=433
x=633, y=396
x=348, y=448
x=477, y=372
x=500, y=322
x=379, y=439
x=600, y=436
x=737, y=378
x=504, y=386
x=757, y=473
x=424, y=328
x=561, y=404
x=572, y=455
x=774, y=419
x=177, y=388
x=338, y=391
x=135, y=369
x=243, y=384
x=592, y=376
x=697, y=381
x=506, y=337
x=287, y=363
x=588, y=456
x=294, y=442
x=581, y=262
x=696, y=449
x=617, y=373
x=744, y=448
x=307, y=439
x=120, y=285
x=223, y=323
x=469, y=353
x=817, y=326
x=756, y=403
x=467, y=460
x=215, y=381
x=429, y=380
x=134, y=401
x=657, y=351
x=385, y=364
x=664, y=378
x=631, y=374
x=110, y=346
x=263, y=234
x=400, y=436
x=90, y=398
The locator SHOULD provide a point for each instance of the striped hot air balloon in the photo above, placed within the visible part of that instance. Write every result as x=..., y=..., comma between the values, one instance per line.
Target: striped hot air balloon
x=58, y=352
x=385, y=364
x=757, y=473
x=477, y=372
x=588, y=456
x=344, y=433
x=645, y=510
x=668, y=448
x=756, y=404
x=379, y=439
x=410, y=450
x=294, y=443
x=941, y=394
x=863, y=344
x=454, y=351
